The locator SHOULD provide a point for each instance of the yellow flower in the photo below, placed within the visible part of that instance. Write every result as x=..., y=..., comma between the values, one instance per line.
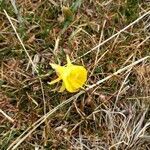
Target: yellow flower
x=73, y=76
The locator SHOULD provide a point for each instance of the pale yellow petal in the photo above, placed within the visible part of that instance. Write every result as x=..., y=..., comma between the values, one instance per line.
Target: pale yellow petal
x=54, y=81
x=56, y=67
x=62, y=87
x=68, y=60
x=59, y=69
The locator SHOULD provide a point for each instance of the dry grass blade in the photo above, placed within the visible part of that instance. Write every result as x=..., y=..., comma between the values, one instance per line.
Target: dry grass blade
x=122, y=30
x=33, y=65
x=25, y=134
x=30, y=130
x=8, y=117
x=117, y=72
x=20, y=41
x=30, y=60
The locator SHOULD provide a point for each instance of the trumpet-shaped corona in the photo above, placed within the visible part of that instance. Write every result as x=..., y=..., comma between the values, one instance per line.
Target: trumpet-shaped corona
x=73, y=76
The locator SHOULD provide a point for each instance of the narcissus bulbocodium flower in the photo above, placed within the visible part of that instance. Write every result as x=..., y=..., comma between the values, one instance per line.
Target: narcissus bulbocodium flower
x=73, y=76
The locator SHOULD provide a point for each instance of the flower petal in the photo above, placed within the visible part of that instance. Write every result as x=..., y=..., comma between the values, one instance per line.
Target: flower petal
x=54, y=81
x=69, y=86
x=55, y=66
x=59, y=69
x=68, y=60
x=62, y=87
x=77, y=76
